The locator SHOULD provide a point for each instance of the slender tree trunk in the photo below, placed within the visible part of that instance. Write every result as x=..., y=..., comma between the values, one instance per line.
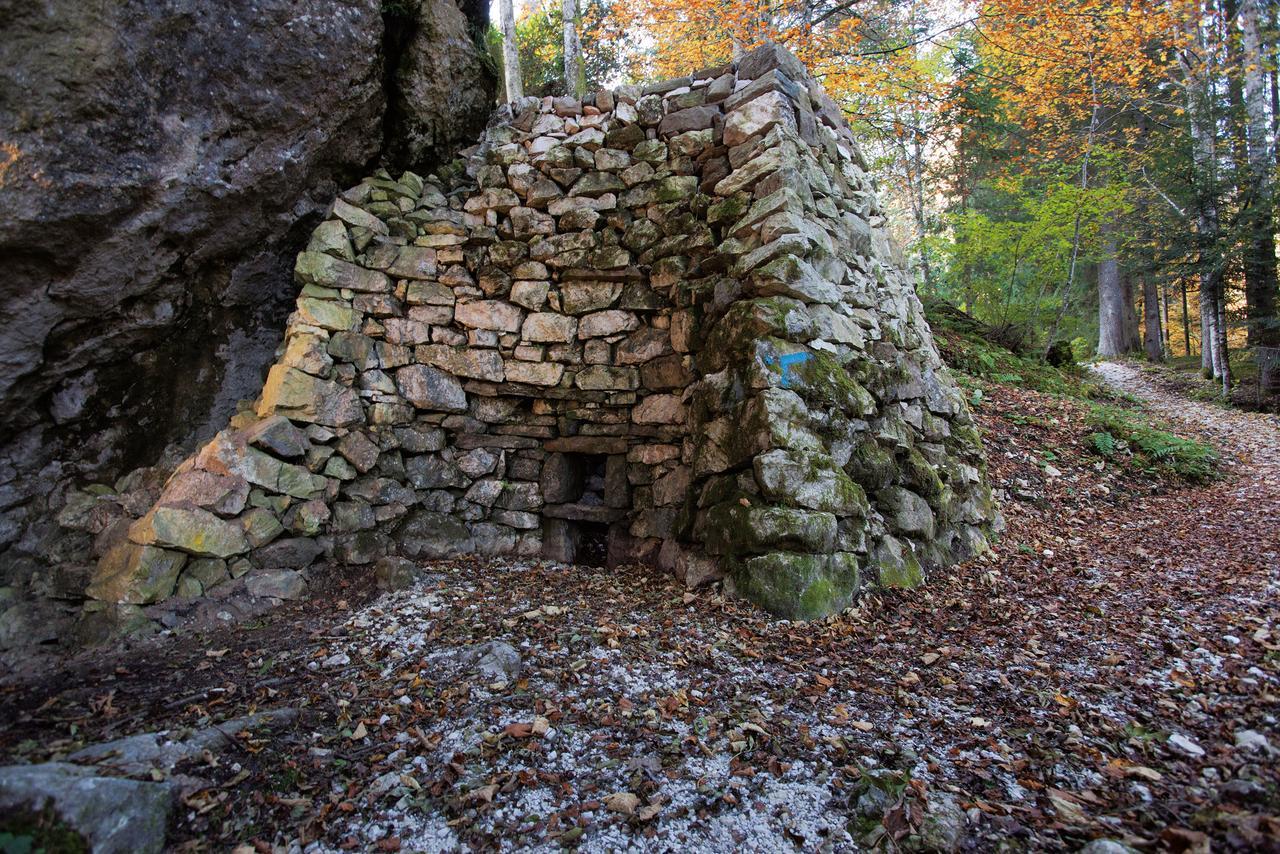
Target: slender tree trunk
x=1168, y=331
x=1275, y=75
x=1207, y=336
x=1260, y=248
x=1237, y=122
x=1186, y=320
x=574, y=76
x=1152, y=338
x=1223, y=352
x=510, y=51
x=918, y=201
x=1113, y=339
x=1075, y=231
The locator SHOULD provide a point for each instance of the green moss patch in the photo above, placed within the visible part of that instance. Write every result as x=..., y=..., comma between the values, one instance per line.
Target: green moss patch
x=799, y=586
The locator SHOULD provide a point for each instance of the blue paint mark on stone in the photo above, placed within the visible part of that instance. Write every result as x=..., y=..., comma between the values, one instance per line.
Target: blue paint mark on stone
x=786, y=362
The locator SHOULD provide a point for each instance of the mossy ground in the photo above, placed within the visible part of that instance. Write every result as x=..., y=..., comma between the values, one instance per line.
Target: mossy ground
x=1120, y=430
x=26, y=832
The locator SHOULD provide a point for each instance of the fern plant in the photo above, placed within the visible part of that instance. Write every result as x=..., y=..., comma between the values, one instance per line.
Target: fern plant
x=1102, y=443
x=1154, y=450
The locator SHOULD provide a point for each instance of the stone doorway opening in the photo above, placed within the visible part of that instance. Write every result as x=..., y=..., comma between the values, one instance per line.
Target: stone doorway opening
x=585, y=497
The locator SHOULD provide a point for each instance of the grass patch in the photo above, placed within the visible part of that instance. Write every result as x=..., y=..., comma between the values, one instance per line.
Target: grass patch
x=1120, y=432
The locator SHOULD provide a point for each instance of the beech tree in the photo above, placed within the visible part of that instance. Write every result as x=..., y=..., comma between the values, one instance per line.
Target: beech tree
x=1195, y=60
x=575, y=80
x=510, y=50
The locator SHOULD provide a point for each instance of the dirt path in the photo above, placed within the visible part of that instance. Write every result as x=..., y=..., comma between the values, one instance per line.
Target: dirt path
x=1111, y=670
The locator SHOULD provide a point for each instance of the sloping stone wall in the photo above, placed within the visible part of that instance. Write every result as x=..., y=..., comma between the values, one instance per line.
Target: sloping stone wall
x=670, y=311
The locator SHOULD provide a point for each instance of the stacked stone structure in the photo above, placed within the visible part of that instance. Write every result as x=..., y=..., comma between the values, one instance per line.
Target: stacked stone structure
x=661, y=324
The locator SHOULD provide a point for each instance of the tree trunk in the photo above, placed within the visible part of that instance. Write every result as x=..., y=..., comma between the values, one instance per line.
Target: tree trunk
x=1166, y=331
x=1164, y=311
x=1260, y=247
x=917, y=202
x=1196, y=79
x=510, y=51
x=574, y=78
x=1275, y=75
x=1052, y=337
x=1132, y=334
x=1186, y=319
x=1152, y=338
x=1223, y=349
x=1207, y=316
x=1113, y=337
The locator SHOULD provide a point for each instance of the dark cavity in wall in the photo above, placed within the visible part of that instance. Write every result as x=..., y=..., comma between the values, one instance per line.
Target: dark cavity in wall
x=593, y=544
x=583, y=509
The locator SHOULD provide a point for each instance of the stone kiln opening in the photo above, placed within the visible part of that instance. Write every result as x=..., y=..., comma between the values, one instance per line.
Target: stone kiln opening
x=586, y=499
x=660, y=326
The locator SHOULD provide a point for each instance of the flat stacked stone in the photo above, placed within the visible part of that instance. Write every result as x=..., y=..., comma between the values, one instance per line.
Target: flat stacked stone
x=691, y=282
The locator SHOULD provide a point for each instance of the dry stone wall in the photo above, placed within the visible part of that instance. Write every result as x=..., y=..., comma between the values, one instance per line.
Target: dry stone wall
x=662, y=323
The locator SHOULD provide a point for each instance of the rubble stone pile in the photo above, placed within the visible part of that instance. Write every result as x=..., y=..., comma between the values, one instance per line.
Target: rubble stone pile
x=657, y=325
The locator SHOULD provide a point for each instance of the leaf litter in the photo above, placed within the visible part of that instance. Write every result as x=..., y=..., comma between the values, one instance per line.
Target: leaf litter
x=1109, y=671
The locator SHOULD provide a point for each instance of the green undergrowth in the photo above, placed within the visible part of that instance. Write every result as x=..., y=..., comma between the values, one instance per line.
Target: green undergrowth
x=966, y=350
x=1122, y=432
x=27, y=832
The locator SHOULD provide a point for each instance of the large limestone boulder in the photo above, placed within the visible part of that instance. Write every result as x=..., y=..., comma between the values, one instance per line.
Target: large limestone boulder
x=113, y=815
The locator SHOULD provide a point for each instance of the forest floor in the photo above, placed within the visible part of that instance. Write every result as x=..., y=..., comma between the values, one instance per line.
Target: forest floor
x=1110, y=671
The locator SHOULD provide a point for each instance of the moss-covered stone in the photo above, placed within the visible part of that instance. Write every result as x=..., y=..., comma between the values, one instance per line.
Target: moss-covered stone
x=822, y=381
x=896, y=565
x=920, y=476
x=209, y=572
x=734, y=528
x=808, y=479
x=136, y=574
x=799, y=586
x=774, y=418
x=261, y=526
x=191, y=530
x=906, y=512
x=102, y=621
x=747, y=321
x=729, y=209
x=871, y=466
x=676, y=188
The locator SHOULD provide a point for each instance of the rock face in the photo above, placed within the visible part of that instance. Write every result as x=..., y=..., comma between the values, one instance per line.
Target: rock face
x=442, y=86
x=161, y=164
x=666, y=313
